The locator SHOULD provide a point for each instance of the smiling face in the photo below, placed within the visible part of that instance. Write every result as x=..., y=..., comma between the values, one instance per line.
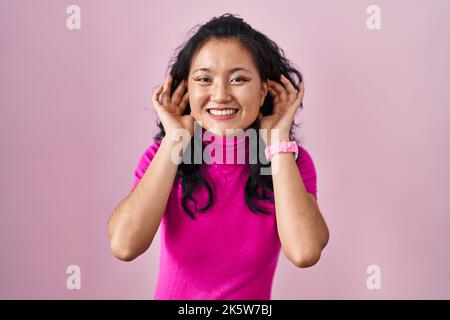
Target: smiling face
x=222, y=75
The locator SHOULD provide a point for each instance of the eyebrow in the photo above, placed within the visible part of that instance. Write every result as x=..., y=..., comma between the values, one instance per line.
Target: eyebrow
x=231, y=70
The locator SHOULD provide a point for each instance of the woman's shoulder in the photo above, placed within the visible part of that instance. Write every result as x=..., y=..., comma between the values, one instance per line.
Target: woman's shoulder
x=303, y=154
x=148, y=154
x=145, y=160
x=152, y=148
x=307, y=169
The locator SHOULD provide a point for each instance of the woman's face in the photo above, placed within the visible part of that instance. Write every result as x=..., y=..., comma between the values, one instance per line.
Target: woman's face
x=223, y=75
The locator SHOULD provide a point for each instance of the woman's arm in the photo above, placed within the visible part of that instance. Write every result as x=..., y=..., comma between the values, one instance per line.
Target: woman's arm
x=302, y=229
x=136, y=219
x=301, y=226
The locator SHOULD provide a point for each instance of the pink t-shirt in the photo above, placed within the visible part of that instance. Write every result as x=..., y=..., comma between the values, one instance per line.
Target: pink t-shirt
x=228, y=251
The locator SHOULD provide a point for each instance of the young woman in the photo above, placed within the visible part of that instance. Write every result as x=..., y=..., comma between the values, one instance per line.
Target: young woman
x=222, y=224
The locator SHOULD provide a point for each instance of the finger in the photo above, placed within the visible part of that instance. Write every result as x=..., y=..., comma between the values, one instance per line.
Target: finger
x=179, y=92
x=165, y=95
x=155, y=97
x=279, y=89
x=275, y=96
x=288, y=85
x=301, y=93
x=184, y=101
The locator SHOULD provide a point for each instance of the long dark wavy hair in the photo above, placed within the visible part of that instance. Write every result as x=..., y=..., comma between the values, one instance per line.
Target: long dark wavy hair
x=270, y=62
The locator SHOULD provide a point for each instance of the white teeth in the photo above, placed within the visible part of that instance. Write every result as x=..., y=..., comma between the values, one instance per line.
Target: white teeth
x=222, y=113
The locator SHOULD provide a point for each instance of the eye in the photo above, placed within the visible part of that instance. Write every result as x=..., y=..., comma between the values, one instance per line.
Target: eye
x=207, y=79
x=242, y=79
x=199, y=79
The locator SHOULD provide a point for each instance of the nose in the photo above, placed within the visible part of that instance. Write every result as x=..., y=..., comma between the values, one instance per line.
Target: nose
x=220, y=92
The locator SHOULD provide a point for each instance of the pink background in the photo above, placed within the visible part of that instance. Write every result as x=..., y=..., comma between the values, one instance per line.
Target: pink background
x=76, y=116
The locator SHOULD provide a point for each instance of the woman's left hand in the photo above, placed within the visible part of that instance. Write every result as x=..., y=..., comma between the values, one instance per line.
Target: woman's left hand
x=286, y=101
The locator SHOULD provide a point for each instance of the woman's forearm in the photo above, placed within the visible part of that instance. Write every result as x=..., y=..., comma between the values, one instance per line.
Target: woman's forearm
x=136, y=219
x=302, y=229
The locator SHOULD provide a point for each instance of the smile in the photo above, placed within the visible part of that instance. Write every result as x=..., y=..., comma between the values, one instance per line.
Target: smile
x=223, y=114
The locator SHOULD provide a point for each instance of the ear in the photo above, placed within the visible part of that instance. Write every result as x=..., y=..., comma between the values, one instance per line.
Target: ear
x=264, y=90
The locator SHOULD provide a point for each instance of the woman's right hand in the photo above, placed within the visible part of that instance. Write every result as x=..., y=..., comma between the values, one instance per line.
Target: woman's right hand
x=170, y=109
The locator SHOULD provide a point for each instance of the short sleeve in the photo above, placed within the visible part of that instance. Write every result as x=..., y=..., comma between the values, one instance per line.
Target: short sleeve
x=307, y=170
x=144, y=162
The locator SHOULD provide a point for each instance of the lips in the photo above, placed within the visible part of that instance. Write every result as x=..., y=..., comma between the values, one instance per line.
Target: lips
x=223, y=116
x=222, y=108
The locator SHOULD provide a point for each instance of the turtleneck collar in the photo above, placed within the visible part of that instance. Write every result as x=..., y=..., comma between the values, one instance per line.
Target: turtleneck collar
x=239, y=142
x=219, y=141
